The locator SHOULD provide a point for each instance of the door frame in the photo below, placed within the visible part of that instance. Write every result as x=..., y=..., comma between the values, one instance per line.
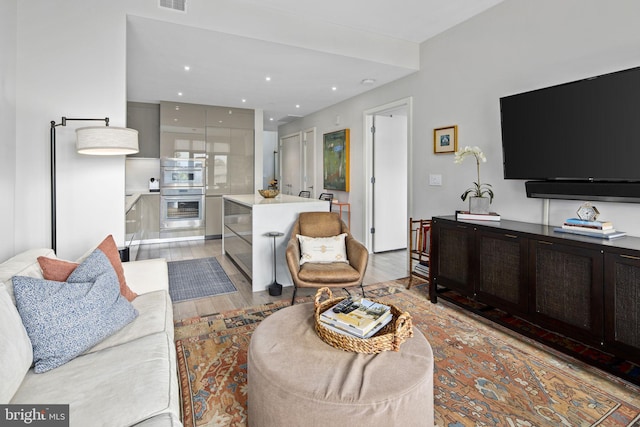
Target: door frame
x=368, y=160
x=309, y=149
x=281, y=157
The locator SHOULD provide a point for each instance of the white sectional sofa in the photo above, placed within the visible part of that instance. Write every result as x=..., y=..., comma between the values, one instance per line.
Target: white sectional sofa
x=129, y=378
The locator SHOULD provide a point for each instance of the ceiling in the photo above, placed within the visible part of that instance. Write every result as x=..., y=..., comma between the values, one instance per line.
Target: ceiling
x=316, y=53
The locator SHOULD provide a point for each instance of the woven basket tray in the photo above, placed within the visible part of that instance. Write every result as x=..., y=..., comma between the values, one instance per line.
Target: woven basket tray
x=388, y=338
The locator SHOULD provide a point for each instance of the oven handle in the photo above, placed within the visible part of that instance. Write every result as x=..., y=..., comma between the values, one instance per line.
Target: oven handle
x=183, y=198
x=183, y=169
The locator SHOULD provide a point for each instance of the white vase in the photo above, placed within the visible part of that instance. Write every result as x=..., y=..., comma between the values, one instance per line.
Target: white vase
x=479, y=205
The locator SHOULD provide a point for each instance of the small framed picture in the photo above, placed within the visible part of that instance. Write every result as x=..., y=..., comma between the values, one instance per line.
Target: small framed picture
x=445, y=140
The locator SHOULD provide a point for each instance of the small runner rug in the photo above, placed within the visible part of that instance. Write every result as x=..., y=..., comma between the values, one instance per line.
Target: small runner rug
x=197, y=278
x=483, y=375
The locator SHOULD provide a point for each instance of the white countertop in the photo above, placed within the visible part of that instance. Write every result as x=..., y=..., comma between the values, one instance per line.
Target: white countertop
x=256, y=199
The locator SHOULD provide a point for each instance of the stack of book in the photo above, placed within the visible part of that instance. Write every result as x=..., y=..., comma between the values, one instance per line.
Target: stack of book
x=422, y=268
x=600, y=229
x=466, y=215
x=360, y=318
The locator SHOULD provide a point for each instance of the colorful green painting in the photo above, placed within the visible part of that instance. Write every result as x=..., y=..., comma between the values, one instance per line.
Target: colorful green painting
x=336, y=160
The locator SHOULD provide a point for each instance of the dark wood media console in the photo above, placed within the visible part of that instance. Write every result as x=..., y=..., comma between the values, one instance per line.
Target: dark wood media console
x=584, y=288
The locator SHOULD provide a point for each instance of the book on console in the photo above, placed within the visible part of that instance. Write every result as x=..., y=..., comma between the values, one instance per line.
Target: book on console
x=589, y=233
x=491, y=216
x=603, y=225
x=589, y=229
x=361, y=319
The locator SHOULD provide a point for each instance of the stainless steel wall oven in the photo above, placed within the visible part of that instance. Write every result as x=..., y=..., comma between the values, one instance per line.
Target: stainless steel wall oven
x=182, y=197
x=182, y=208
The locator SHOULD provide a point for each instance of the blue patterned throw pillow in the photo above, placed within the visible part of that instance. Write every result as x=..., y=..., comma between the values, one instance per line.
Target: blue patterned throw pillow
x=64, y=319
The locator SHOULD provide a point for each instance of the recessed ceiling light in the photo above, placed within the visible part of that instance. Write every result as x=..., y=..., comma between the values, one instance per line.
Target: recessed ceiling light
x=334, y=88
x=368, y=81
x=270, y=119
x=268, y=78
x=179, y=93
x=244, y=100
x=297, y=105
x=187, y=68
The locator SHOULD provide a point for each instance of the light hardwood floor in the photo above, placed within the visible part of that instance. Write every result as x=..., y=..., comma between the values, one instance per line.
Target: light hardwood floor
x=382, y=267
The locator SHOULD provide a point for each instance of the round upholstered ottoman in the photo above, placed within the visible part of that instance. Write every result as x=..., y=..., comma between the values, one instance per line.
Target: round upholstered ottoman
x=295, y=379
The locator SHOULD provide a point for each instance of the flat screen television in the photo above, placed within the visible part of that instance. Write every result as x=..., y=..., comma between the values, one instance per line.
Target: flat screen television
x=583, y=135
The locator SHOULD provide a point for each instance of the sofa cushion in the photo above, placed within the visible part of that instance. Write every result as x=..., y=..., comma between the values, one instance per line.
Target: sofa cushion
x=322, y=249
x=155, y=314
x=63, y=319
x=59, y=270
x=147, y=275
x=118, y=386
x=15, y=348
x=23, y=264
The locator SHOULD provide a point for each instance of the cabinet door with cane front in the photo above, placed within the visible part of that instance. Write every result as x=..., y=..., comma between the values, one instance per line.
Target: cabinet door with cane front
x=451, y=258
x=567, y=289
x=502, y=276
x=622, y=303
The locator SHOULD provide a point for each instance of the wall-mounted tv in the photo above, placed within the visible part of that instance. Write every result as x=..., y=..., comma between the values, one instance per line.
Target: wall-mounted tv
x=581, y=139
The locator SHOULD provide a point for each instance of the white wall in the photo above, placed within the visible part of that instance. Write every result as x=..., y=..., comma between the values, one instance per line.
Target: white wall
x=8, y=44
x=70, y=62
x=516, y=46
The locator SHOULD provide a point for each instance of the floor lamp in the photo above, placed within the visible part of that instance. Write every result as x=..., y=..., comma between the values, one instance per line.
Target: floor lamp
x=96, y=140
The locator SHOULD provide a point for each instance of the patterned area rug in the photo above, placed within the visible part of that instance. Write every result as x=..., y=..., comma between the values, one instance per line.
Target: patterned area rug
x=197, y=278
x=622, y=368
x=482, y=375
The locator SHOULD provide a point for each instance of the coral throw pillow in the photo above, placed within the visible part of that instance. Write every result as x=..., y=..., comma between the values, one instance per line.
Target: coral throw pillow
x=59, y=270
x=56, y=269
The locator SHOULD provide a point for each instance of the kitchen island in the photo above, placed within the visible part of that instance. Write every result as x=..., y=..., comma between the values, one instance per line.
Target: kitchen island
x=248, y=218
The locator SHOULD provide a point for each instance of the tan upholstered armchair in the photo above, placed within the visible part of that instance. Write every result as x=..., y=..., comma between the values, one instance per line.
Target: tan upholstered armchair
x=332, y=274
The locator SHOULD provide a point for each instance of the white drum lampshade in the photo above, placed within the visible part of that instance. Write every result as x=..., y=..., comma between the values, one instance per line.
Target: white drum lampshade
x=106, y=141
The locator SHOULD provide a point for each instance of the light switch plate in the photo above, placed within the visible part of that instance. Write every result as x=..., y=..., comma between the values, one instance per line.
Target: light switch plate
x=435, y=179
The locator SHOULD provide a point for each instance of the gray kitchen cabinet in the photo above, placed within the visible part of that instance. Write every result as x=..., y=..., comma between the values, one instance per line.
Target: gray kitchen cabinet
x=145, y=118
x=182, y=130
x=230, y=161
x=213, y=217
x=142, y=222
x=150, y=216
x=133, y=229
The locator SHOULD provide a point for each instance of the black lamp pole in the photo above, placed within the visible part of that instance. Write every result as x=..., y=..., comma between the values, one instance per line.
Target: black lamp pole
x=63, y=122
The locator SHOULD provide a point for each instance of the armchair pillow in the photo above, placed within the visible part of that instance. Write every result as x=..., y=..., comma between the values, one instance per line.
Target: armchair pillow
x=322, y=249
x=64, y=319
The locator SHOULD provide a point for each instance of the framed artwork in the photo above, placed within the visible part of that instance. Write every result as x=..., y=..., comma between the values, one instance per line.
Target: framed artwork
x=445, y=140
x=335, y=162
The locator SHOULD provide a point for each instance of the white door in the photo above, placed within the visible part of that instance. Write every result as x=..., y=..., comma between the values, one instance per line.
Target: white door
x=291, y=163
x=389, y=200
x=309, y=171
